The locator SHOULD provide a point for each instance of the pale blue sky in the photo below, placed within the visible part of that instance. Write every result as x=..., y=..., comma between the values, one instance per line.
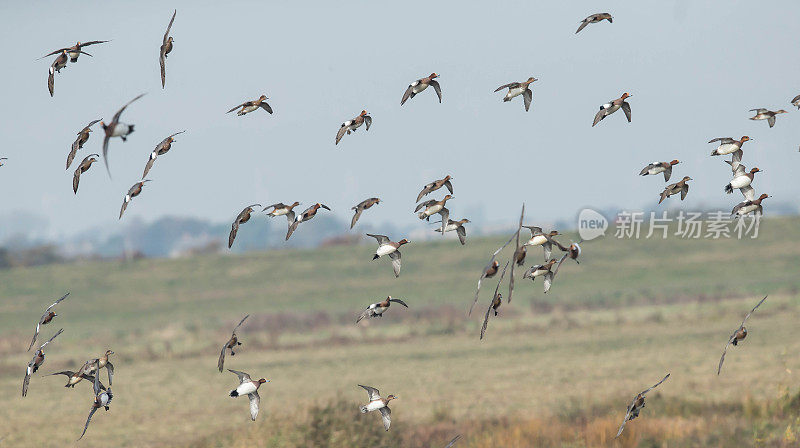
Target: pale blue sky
x=694, y=69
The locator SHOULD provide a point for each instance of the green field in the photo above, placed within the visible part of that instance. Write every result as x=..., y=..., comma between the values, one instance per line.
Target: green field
x=554, y=369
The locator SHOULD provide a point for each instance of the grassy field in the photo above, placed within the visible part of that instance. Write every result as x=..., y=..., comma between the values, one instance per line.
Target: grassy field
x=554, y=369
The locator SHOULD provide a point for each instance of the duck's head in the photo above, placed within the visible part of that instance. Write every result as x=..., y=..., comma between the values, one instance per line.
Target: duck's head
x=295, y=204
x=434, y=76
x=685, y=178
x=391, y=397
x=554, y=233
x=532, y=79
x=675, y=162
x=262, y=97
x=403, y=241
x=103, y=124
x=745, y=139
x=763, y=196
x=263, y=380
x=363, y=113
x=448, y=177
x=781, y=112
x=447, y=197
x=464, y=221
x=495, y=263
x=626, y=95
x=109, y=352
x=754, y=170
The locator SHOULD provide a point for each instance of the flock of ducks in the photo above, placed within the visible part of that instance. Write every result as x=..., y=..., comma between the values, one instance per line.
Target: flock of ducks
x=548, y=269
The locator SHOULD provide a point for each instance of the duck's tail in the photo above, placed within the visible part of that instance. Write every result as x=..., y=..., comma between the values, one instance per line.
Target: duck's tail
x=363, y=409
x=234, y=393
x=728, y=189
x=375, y=257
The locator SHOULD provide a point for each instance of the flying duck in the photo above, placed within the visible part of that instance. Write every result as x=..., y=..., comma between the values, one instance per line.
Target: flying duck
x=36, y=362
x=250, y=388
x=46, y=318
x=435, y=185
x=116, y=129
x=489, y=271
x=539, y=238
x=519, y=88
x=134, y=191
x=83, y=136
x=102, y=363
x=432, y=207
x=573, y=251
x=376, y=403
x=250, y=106
x=241, y=218
x=232, y=343
x=458, y=226
x=102, y=398
x=166, y=47
x=613, y=106
x=749, y=206
x=360, y=207
x=796, y=101
x=387, y=247
x=56, y=66
x=377, y=309
x=766, y=114
x=636, y=406
x=595, y=18
x=74, y=378
x=660, y=167
x=678, y=187
x=545, y=270
x=161, y=149
x=497, y=300
x=742, y=180
x=281, y=209
x=75, y=50
x=307, y=214
x=738, y=335
x=82, y=168
x=351, y=125
x=421, y=84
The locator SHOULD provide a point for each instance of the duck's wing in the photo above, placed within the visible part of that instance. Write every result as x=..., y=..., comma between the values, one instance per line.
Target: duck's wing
x=395, y=257
x=96, y=383
x=242, y=376
x=72, y=151
x=240, y=323
x=36, y=333
x=162, y=61
x=748, y=192
x=239, y=106
x=51, y=81
x=386, y=415
x=55, y=52
x=88, y=420
x=105, y=153
x=752, y=310
x=548, y=281
x=684, y=191
x=368, y=121
x=486, y=319
x=268, y=108
x=166, y=34
x=449, y=186
x=483, y=273
x=292, y=227
x=68, y=373
x=255, y=401
x=655, y=385
x=115, y=120
x=445, y=214
x=382, y=239
x=627, y=417
x=359, y=210
x=398, y=301
x=425, y=204
x=436, y=87
x=232, y=234
x=510, y=85
x=722, y=140
x=56, y=303
x=582, y=25
x=123, y=208
x=453, y=441
x=599, y=116
x=725, y=351
x=500, y=281
x=93, y=42
x=221, y=360
x=51, y=339
x=771, y=120
x=527, y=96
x=737, y=168
x=795, y=99
x=407, y=94
x=150, y=162
x=110, y=370
x=340, y=133
x=646, y=169
x=462, y=234
x=513, y=260
x=760, y=110
x=374, y=394
x=667, y=173
x=364, y=314
x=26, y=381
x=626, y=107
x=427, y=189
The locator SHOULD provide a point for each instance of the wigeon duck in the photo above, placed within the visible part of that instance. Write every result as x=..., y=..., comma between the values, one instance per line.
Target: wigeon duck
x=796, y=101
x=46, y=318
x=36, y=362
x=241, y=218
x=421, y=84
x=376, y=403
x=519, y=255
x=390, y=248
x=433, y=207
x=161, y=149
x=59, y=63
x=95, y=365
x=728, y=145
x=166, y=47
x=738, y=335
x=458, y=226
x=307, y=214
x=281, y=209
x=659, y=167
x=249, y=106
x=134, y=191
x=678, y=187
x=83, y=136
x=519, y=88
x=250, y=388
x=360, y=207
x=489, y=271
x=377, y=309
x=351, y=125
x=742, y=180
x=573, y=251
x=747, y=206
x=766, y=114
x=116, y=129
x=453, y=441
x=102, y=398
x=75, y=50
x=435, y=185
x=497, y=300
x=76, y=377
x=595, y=18
x=232, y=343
x=636, y=406
x=545, y=270
x=84, y=166
x=539, y=238
x=613, y=106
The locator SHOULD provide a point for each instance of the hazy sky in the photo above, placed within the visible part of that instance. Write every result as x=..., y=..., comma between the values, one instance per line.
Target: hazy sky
x=694, y=69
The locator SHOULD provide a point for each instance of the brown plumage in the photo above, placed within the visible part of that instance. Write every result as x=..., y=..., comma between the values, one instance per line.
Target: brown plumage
x=250, y=106
x=241, y=218
x=82, y=168
x=738, y=335
x=595, y=18
x=360, y=207
x=83, y=136
x=134, y=191
x=497, y=300
x=350, y=126
x=161, y=149
x=678, y=187
x=636, y=405
x=305, y=216
x=421, y=84
x=166, y=48
x=232, y=343
x=435, y=185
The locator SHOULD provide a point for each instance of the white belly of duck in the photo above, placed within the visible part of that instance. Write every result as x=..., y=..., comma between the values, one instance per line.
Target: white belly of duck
x=433, y=209
x=538, y=240
x=374, y=405
x=726, y=148
x=514, y=92
x=418, y=87
x=746, y=209
x=356, y=125
x=246, y=388
x=741, y=181
x=247, y=109
x=121, y=129
x=450, y=227
x=279, y=212
x=386, y=249
x=656, y=170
